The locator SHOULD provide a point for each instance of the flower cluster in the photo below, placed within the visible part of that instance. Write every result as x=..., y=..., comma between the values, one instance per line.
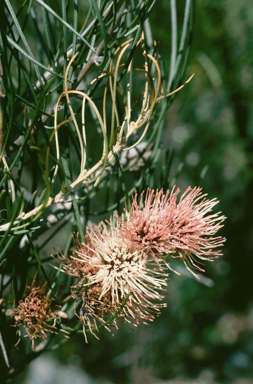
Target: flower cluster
x=122, y=269
x=34, y=312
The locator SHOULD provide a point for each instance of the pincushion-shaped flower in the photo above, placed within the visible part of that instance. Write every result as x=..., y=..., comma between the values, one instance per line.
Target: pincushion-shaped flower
x=114, y=275
x=35, y=311
x=160, y=225
x=127, y=269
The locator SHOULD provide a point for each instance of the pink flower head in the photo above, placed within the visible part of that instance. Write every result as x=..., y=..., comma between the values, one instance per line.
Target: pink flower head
x=159, y=225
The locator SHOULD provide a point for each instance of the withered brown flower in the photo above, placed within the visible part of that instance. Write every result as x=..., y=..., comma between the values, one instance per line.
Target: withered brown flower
x=35, y=311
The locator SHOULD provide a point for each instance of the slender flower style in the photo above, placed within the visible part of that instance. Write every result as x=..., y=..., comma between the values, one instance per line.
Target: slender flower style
x=159, y=225
x=34, y=312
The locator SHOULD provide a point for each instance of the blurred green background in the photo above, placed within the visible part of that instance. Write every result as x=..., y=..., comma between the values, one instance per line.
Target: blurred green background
x=205, y=335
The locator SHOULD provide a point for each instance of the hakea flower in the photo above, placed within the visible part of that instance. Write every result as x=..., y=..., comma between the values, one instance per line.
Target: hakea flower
x=34, y=312
x=159, y=225
x=112, y=271
x=126, y=269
